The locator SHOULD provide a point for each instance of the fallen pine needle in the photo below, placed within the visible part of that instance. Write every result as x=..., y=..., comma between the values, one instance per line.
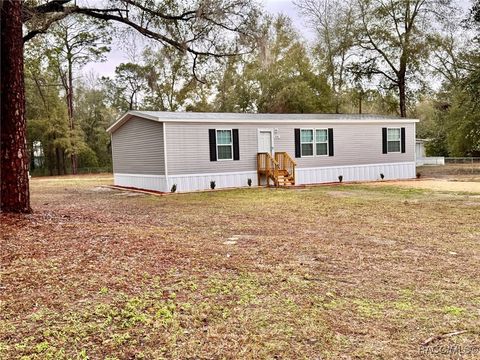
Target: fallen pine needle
x=443, y=336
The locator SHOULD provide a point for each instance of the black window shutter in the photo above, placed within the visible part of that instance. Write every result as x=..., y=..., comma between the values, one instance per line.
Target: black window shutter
x=298, y=152
x=384, y=141
x=236, y=147
x=213, y=144
x=402, y=139
x=330, y=142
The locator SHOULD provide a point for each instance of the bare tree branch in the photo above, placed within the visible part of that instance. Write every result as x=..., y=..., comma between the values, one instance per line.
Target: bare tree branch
x=57, y=10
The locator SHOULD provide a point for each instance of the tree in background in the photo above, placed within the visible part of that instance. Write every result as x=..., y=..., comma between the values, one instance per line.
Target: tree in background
x=277, y=78
x=334, y=23
x=48, y=122
x=160, y=80
x=394, y=38
x=170, y=80
x=127, y=86
x=46, y=109
x=463, y=117
x=232, y=95
x=72, y=43
x=209, y=27
x=453, y=123
x=285, y=75
x=94, y=116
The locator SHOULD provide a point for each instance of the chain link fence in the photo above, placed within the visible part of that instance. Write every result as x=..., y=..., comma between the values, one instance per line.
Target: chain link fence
x=453, y=166
x=462, y=160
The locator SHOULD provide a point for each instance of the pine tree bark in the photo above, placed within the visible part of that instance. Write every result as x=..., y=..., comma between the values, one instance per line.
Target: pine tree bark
x=14, y=190
x=402, y=86
x=58, y=157
x=69, y=89
x=403, y=98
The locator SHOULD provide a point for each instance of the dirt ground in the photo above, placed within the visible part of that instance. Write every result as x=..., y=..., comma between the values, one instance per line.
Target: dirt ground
x=443, y=185
x=460, y=178
x=330, y=272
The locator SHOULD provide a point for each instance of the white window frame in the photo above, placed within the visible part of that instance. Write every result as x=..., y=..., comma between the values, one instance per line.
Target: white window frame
x=313, y=143
x=217, y=144
x=399, y=141
x=321, y=142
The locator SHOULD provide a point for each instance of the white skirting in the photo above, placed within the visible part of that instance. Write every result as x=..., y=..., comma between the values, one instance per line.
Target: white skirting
x=370, y=172
x=194, y=182
x=185, y=183
x=150, y=182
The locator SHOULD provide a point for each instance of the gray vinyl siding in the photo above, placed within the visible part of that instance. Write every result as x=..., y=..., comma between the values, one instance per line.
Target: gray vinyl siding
x=138, y=148
x=354, y=144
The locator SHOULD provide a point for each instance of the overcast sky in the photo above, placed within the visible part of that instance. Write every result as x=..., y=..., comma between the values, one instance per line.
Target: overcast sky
x=117, y=56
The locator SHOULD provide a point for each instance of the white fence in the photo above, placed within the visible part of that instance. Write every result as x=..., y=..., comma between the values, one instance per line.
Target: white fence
x=431, y=160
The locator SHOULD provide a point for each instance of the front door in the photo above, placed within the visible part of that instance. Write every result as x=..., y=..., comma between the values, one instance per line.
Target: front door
x=265, y=141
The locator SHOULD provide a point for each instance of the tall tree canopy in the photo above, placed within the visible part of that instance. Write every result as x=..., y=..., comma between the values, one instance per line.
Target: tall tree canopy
x=393, y=37
x=334, y=23
x=73, y=42
x=278, y=77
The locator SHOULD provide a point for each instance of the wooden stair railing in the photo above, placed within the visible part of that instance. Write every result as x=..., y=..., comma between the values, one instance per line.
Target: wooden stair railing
x=286, y=163
x=280, y=169
x=268, y=166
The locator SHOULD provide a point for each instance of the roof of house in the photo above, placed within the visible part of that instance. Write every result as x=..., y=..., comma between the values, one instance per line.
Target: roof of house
x=203, y=117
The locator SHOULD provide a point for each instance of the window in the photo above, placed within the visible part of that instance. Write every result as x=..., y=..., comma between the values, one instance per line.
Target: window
x=306, y=142
x=224, y=145
x=321, y=141
x=393, y=140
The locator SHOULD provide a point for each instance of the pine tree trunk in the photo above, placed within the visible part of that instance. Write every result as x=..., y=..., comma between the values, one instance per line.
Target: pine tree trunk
x=64, y=162
x=14, y=187
x=73, y=156
x=403, y=98
x=402, y=88
x=58, y=161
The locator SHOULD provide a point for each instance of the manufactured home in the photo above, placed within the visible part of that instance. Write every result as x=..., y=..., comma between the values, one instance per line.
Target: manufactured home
x=156, y=150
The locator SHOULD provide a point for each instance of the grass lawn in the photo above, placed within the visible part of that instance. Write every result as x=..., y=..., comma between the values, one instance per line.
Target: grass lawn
x=332, y=272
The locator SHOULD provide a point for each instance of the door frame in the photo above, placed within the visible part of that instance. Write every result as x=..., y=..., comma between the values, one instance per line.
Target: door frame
x=271, y=131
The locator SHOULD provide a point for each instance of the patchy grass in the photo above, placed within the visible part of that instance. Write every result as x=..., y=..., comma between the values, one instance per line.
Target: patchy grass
x=347, y=271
